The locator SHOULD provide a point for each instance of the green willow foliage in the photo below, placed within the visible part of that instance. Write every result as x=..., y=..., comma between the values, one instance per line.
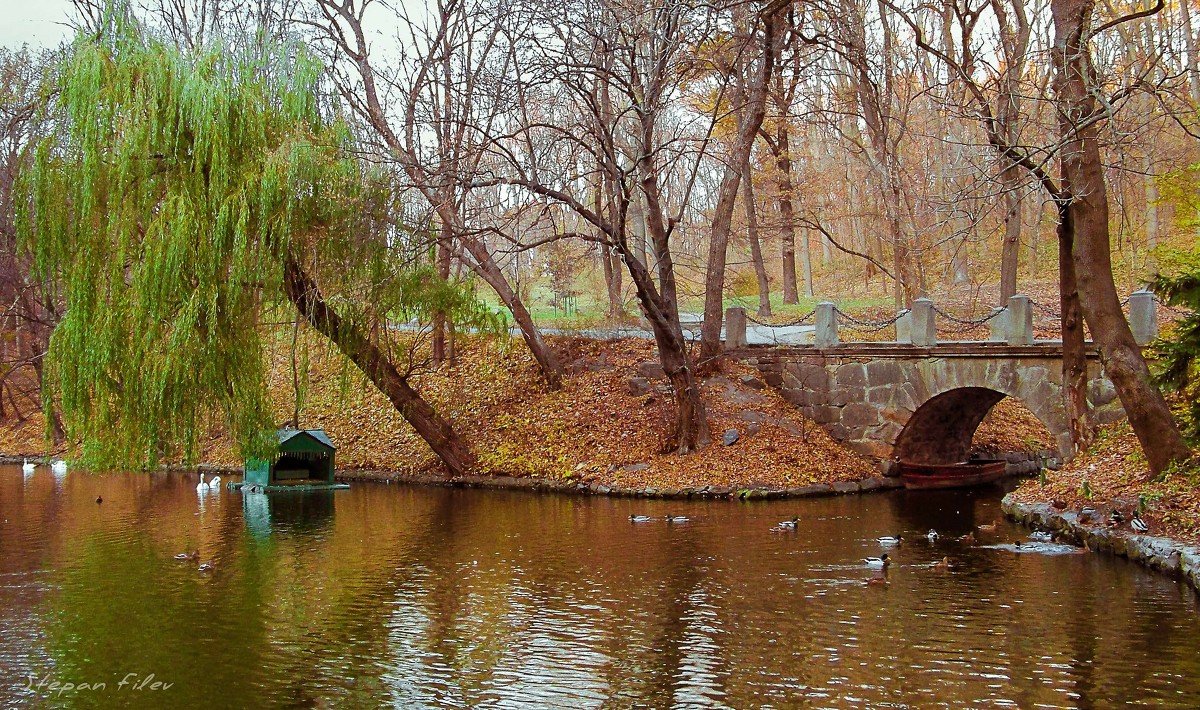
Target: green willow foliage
x=164, y=205
x=1178, y=357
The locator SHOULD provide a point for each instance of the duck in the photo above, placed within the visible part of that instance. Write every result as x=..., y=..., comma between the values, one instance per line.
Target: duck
x=945, y=565
x=788, y=524
x=968, y=539
x=201, y=486
x=878, y=562
x=1116, y=517
x=988, y=528
x=675, y=519
x=185, y=556
x=889, y=540
x=1139, y=525
x=632, y=518
x=27, y=467
x=205, y=567
x=99, y=500
x=1087, y=512
x=58, y=466
x=1041, y=536
x=932, y=535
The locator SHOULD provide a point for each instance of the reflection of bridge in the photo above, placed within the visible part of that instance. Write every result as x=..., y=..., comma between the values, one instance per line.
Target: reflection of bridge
x=919, y=400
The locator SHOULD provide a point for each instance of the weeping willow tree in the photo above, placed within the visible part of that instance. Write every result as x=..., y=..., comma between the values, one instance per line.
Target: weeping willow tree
x=184, y=200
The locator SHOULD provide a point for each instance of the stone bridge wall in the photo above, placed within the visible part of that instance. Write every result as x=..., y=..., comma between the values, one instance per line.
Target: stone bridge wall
x=867, y=395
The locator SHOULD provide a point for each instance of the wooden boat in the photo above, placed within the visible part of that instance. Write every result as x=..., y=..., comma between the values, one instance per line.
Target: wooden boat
x=921, y=476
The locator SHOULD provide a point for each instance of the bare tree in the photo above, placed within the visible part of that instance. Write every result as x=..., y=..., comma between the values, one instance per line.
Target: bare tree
x=446, y=96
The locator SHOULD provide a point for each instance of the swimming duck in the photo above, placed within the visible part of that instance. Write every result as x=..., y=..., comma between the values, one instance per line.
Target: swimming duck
x=99, y=500
x=932, y=535
x=1041, y=536
x=58, y=466
x=878, y=562
x=28, y=467
x=789, y=524
x=1139, y=525
x=968, y=539
x=185, y=556
x=675, y=519
x=988, y=528
x=945, y=565
x=889, y=540
x=204, y=567
x=640, y=518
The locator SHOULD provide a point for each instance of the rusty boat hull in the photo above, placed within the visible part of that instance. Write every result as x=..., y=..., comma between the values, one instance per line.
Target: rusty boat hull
x=918, y=477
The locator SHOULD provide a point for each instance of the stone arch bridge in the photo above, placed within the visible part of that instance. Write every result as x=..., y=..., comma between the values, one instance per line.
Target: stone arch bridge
x=897, y=401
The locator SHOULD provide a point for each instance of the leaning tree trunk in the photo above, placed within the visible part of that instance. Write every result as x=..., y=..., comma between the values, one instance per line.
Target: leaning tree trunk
x=752, y=116
x=306, y=296
x=1083, y=179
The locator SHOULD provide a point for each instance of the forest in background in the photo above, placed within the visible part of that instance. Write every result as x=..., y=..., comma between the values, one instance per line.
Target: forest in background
x=631, y=160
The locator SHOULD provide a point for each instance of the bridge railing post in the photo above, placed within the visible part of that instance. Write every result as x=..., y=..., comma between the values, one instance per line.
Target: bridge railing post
x=826, y=334
x=998, y=325
x=904, y=326
x=735, y=327
x=1143, y=316
x=924, y=330
x=1020, y=321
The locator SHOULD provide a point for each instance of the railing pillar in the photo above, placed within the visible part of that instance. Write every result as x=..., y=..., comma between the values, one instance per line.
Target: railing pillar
x=1143, y=316
x=735, y=327
x=998, y=325
x=904, y=326
x=826, y=335
x=924, y=330
x=1020, y=321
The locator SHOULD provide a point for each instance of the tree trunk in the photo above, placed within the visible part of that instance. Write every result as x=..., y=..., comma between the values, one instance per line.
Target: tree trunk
x=1074, y=364
x=787, y=219
x=752, y=116
x=661, y=308
x=440, y=352
x=756, y=255
x=1011, y=249
x=1083, y=180
x=306, y=296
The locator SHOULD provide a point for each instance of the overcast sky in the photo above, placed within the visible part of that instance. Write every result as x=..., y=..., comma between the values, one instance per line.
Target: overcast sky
x=38, y=23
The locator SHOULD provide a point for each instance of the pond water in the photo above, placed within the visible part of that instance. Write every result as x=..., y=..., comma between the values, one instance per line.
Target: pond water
x=386, y=595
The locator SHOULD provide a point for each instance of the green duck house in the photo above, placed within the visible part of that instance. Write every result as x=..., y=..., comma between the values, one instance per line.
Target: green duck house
x=305, y=461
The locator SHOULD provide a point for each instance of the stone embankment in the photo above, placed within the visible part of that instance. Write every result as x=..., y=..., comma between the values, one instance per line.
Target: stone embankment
x=1158, y=553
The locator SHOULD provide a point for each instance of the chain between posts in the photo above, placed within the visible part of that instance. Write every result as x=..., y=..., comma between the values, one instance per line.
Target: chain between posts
x=966, y=323
x=788, y=324
x=1172, y=309
x=1046, y=310
x=866, y=326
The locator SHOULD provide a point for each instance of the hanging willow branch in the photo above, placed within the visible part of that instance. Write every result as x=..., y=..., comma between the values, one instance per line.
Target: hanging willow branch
x=166, y=206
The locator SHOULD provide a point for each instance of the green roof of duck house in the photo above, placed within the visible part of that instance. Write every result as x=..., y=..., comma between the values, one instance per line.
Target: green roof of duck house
x=305, y=457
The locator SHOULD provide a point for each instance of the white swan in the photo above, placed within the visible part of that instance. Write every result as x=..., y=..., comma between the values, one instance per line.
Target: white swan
x=201, y=486
x=212, y=483
x=58, y=466
x=28, y=467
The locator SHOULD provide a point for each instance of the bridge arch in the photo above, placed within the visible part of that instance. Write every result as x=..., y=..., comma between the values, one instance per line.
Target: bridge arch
x=893, y=401
x=942, y=429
